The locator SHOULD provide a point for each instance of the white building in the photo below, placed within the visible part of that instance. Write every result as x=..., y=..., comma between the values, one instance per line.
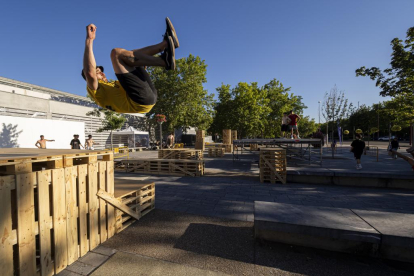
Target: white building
x=34, y=110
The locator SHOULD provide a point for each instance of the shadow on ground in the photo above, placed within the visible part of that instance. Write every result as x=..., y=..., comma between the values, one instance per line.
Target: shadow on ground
x=228, y=246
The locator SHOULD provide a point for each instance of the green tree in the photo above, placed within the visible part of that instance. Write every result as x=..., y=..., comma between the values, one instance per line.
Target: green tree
x=307, y=126
x=399, y=79
x=110, y=122
x=280, y=101
x=181, y=96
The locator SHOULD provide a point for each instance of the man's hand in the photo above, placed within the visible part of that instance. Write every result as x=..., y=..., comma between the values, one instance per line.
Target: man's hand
x=91, y=32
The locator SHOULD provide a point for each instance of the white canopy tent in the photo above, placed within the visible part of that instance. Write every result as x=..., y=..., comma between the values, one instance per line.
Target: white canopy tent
x=131, y=137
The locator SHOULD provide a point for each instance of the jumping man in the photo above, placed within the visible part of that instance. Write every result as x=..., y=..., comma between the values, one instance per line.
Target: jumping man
x=133, y=92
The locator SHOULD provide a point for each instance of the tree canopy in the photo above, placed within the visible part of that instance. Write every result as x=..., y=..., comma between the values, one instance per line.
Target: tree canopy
x=181, y=96
x=399, y=79
x=252, y=110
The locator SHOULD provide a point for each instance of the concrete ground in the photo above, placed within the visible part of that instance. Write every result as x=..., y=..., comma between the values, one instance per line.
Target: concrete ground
x=204, y=225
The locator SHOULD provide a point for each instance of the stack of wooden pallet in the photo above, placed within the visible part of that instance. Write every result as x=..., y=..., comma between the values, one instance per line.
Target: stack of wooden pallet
x=165, y=166
x=200, y=139
x=180, y=154
x=272, y=165
x=137, y=195
x=227, y=140
x=254, y=147
x=50, y=212
x=216, y=152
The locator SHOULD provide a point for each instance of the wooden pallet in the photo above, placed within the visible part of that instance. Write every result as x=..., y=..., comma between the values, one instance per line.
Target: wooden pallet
x=141, y=199
x=50, y=218
x=200, y=134
x=20, y=160
x=216, y=152
x=190, y=154
x=228, y=147
x=273, y=165
x=254, y=146
x=165, y=166
x=226, y=136
x=200, y=144
x=233, y=135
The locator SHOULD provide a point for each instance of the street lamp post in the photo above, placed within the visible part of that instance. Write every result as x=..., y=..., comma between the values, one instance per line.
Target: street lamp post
x=319, y=102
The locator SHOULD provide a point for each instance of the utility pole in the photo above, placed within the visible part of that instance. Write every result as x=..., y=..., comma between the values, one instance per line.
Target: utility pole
x=378, y=119
x=319, y=102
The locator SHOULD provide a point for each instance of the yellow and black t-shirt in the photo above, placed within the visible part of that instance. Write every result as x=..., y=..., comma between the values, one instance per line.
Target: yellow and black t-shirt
x=112, y=96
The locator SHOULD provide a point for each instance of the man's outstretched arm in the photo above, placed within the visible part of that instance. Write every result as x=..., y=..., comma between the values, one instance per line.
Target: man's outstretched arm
x=89, y=63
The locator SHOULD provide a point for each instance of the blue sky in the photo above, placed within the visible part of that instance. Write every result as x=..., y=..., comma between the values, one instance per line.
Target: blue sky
x=308, y=45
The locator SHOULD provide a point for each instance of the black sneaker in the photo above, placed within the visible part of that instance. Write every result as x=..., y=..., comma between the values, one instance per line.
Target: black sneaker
x=170, y=31
x=169, y=54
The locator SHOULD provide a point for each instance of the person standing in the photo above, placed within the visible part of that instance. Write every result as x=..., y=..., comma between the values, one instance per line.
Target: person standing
x=41, y=144
x=395, y=145
x=294, y=119
x=75, y=143
x=285, y=125
x=89, y=143
x=170, y=140
x=357, y=147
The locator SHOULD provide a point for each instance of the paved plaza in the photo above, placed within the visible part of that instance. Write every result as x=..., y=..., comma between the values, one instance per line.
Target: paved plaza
x=204, y=225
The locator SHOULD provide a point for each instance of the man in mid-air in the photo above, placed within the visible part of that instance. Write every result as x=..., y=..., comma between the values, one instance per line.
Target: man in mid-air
x=133, y=92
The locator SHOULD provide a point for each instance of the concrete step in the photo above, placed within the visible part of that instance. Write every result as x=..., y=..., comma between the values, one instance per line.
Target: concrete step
x=334, y=229
x=397, y=233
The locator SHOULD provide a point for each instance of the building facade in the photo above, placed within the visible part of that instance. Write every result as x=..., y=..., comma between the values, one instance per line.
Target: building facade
x=20, y=99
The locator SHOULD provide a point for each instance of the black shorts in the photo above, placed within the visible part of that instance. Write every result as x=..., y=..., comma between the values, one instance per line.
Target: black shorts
x=138, y=86
x=357, y=155
x=285, y=128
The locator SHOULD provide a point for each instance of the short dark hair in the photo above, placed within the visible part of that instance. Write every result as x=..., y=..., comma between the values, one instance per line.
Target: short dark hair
x=89, y=135
x=42, y=136
x=358, y=135
x=83, y=73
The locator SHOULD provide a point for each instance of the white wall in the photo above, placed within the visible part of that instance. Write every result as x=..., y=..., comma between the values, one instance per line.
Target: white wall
x=60, y=131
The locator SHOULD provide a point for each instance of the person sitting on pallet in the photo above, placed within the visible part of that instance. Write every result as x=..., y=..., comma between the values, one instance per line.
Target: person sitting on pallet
x=133, y=92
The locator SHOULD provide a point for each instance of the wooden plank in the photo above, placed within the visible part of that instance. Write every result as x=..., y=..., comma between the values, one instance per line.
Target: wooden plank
x=72, y=214
x=83, y=210
x=274, y=170
x=94, y=239
x=46, y=266
x=110, y=189
x=181, y=169
x=25, y=221
x=116, y=203
x=6, y=245
x=102, y=203
x=59, y=219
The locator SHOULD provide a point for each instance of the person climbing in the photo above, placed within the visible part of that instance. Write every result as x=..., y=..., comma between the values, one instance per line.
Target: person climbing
x=133, y=92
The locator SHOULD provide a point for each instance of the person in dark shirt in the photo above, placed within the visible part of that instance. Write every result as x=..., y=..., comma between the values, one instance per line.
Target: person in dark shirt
x=395, y=145
x=357, y=147
x=75, y=143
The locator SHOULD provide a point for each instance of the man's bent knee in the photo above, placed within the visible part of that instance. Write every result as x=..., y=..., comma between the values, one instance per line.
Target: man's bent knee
x=116, y=52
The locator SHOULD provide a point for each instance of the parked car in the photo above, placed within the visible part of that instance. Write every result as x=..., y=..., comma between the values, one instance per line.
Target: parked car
x=385, y=138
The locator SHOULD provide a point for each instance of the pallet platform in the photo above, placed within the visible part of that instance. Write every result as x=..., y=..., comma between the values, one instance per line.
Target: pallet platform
x=50, y=218
x=165, y=166
x=180, y=153
x=216, y=152
x=21, y=160
x=273, y=165
x=138, y=195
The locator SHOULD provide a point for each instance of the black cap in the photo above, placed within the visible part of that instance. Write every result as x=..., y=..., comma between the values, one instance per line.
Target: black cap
x=83, y=74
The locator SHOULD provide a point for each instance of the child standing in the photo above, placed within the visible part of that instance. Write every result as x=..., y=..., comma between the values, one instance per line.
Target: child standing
x=357, y=147
x=285, y=125
x=395, y=145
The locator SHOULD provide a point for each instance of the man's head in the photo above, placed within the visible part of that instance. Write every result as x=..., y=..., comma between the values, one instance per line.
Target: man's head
x=76, y=136
x=358, y=136
x=291, y=112
x=395, y=139
x=42, y=137
x=99, y=73
x=90, y=136
x=285, y=114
